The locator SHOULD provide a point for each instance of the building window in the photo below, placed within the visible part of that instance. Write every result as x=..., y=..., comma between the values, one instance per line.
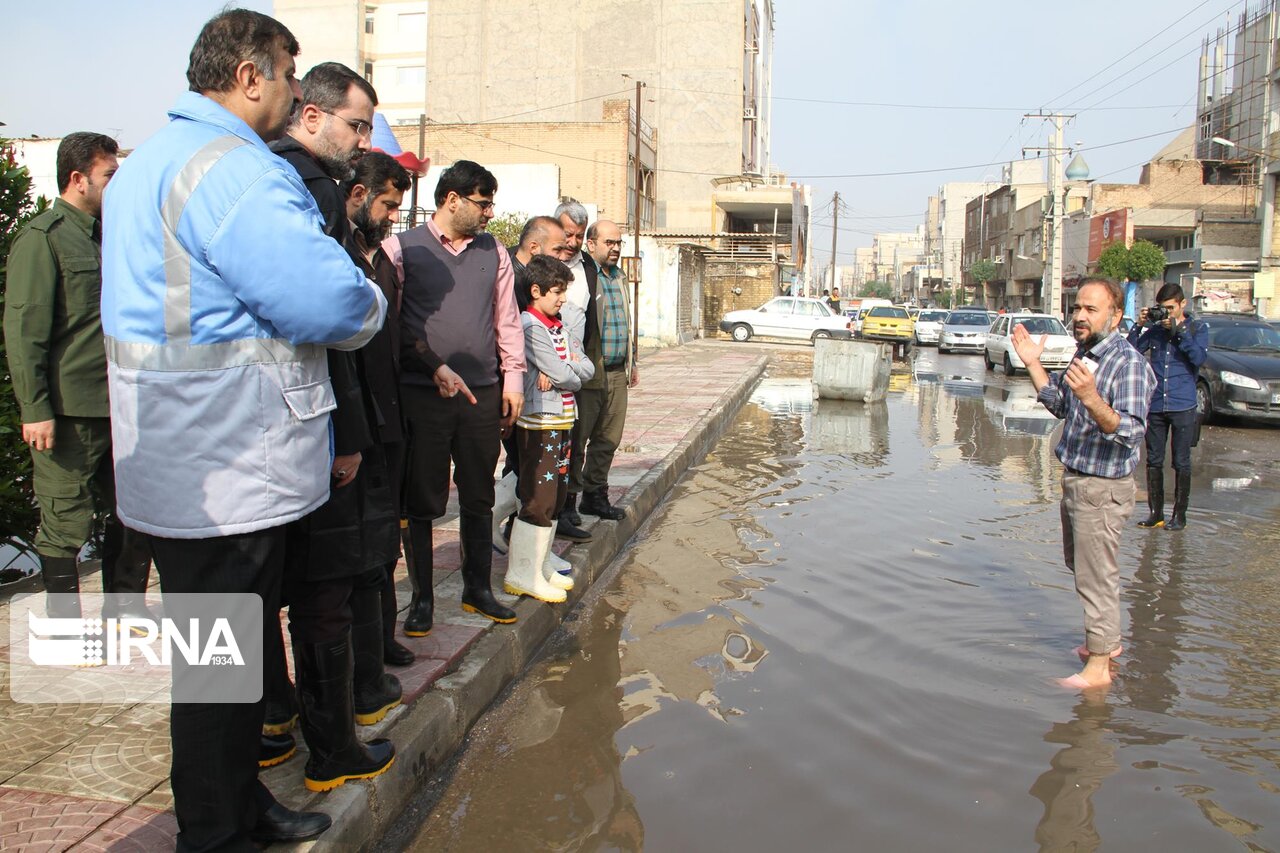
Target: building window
x=368, y=71
x=411, y=75
x=368, y=21
x=412, y=24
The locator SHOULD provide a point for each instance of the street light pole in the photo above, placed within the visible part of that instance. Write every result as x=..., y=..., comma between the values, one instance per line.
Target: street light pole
x=1051, y=290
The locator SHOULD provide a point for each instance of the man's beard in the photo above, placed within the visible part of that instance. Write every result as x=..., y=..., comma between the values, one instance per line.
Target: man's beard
x=336, y=163
x=372, y=232
x=1092, y=340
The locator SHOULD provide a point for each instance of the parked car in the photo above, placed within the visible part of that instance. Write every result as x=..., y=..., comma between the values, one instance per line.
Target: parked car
x=887, y=323
x=1059, y=346
x=964, y=330
x=1241, y=376
x=786, y=317
x=929, y=326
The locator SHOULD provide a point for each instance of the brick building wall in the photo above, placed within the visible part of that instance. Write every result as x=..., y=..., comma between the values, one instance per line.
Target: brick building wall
x=591, y=156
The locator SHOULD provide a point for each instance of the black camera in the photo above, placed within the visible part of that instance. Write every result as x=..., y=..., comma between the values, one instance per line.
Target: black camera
x=1157, y=314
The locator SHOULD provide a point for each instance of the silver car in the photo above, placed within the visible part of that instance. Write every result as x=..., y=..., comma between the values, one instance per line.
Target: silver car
x=964, y=331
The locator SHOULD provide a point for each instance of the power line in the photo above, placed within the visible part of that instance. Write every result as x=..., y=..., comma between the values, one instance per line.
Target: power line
x=894, y=105
x=1103, y=70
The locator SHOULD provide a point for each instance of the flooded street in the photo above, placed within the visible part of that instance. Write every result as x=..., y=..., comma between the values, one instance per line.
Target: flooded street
x=840, y=633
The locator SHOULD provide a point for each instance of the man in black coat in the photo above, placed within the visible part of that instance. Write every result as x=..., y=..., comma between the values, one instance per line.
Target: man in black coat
x=356, y=531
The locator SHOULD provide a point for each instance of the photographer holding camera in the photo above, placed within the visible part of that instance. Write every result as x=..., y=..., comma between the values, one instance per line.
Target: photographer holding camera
x=1176, y=345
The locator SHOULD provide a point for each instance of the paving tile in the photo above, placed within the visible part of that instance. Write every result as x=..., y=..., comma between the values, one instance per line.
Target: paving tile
x=119, y=763
x=36, y=821
x=135, y=830
x=415, y=679
x=446, y=642
x=32, y=733
x=160, y=798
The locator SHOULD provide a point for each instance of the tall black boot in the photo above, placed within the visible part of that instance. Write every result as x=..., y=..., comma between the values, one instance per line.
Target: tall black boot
x=374, y=691
x=60, y=576
x=417, y=622
x=328, y=718
x=1181, y=497
x=475, y=532
x=393, y=653
x=277, y=690
x=570, y=510
x=1155, y=498
x=596, y=502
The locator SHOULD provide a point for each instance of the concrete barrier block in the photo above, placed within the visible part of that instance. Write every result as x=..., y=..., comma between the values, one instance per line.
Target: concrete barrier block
x=851, y=370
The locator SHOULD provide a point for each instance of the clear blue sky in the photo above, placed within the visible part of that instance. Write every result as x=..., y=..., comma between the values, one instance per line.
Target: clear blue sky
x=117, y=67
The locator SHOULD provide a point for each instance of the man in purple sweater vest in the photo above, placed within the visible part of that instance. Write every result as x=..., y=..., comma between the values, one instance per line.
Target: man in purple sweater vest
x=465, y=390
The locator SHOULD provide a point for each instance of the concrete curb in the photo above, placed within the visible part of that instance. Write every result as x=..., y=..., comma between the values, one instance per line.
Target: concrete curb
x=428, y=731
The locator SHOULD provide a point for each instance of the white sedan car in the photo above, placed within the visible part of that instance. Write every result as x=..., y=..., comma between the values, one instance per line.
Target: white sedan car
x=786, y=317
x=929, y=325
x=1059, y=345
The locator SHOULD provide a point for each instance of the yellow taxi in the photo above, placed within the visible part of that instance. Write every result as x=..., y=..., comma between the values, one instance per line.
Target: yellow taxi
x=888, y=323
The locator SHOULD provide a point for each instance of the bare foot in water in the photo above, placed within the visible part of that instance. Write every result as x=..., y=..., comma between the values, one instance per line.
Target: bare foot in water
x=1096, y=673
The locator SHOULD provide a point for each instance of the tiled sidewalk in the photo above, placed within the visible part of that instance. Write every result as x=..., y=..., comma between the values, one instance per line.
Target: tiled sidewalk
x=94, y=777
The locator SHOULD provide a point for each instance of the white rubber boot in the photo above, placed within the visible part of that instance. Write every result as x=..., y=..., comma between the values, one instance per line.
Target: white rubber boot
x=529, y=547
x=551, y=571
x=504, y=503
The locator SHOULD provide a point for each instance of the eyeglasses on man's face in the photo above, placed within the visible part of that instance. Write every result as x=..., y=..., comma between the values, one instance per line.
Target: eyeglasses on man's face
x=360, y=126
x=485, y=204
x=612, y=244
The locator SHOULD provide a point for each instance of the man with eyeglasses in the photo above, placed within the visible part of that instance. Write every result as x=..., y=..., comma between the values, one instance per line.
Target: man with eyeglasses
x=459, y=295
x=602, y=402
x=356, y=530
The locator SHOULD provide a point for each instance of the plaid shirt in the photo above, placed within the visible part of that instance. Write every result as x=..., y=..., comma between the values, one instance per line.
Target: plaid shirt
x=1125, y=381
x=615, y=335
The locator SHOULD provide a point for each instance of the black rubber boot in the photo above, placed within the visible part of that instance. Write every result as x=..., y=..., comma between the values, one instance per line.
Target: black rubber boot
x=570, y=510
x=417, y=622
x=276, y=749
x=277, y=690
x=374, y=691
x=328, y=719
x=566, y=529
x=596, y=502
x=1155, y=498
x=393, y=653
x=61, y=576
x=475, y=532
x=1181, y=497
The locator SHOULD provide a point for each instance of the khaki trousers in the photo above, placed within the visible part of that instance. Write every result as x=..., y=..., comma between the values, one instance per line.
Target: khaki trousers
x=1094, y=511
x=602, y=415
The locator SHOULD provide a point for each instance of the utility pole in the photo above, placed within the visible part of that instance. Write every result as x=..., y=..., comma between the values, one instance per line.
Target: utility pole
x=1051, y=289
x=835, y=231
x=422, y=144
x=635, y=234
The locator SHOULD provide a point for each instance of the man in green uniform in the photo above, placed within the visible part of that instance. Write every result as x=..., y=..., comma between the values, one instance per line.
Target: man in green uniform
x=53, y=331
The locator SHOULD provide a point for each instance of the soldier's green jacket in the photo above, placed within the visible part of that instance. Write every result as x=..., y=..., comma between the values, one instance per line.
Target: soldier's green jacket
x=52, y=322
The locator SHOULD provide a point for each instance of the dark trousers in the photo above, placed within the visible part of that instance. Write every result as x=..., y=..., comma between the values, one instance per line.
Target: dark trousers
x=512, y=462
x=1183, y=425
x=214, y=774
x=450, y=428
x=543, y=482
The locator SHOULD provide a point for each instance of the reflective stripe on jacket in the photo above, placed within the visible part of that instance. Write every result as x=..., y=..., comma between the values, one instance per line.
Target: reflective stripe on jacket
x=220, y=292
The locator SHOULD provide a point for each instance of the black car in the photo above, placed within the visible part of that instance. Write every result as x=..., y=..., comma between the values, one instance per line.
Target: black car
x=1241, y=376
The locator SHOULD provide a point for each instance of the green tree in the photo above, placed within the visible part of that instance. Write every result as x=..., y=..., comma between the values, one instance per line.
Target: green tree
x=507, y=227
x=1113, y=262
x=18, y=513
x=1142, y=261
x=983, y=271
x=1146, y=261
x=877, y=289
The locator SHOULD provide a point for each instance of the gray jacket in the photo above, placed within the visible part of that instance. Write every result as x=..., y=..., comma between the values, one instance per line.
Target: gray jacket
x=540, y=357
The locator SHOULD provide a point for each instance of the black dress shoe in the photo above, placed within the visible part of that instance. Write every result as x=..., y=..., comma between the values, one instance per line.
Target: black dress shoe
x=566, y=529
x=282, y=824
x=394, y=654
x=596, y=502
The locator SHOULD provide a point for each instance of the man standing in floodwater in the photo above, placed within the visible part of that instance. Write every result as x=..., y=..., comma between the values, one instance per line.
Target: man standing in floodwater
x=1103, y=396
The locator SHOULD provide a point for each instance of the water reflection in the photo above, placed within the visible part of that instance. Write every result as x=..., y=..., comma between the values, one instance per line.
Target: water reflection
x=840, y=629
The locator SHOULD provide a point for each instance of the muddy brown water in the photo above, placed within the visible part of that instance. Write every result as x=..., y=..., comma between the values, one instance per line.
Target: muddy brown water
x=840, y=632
